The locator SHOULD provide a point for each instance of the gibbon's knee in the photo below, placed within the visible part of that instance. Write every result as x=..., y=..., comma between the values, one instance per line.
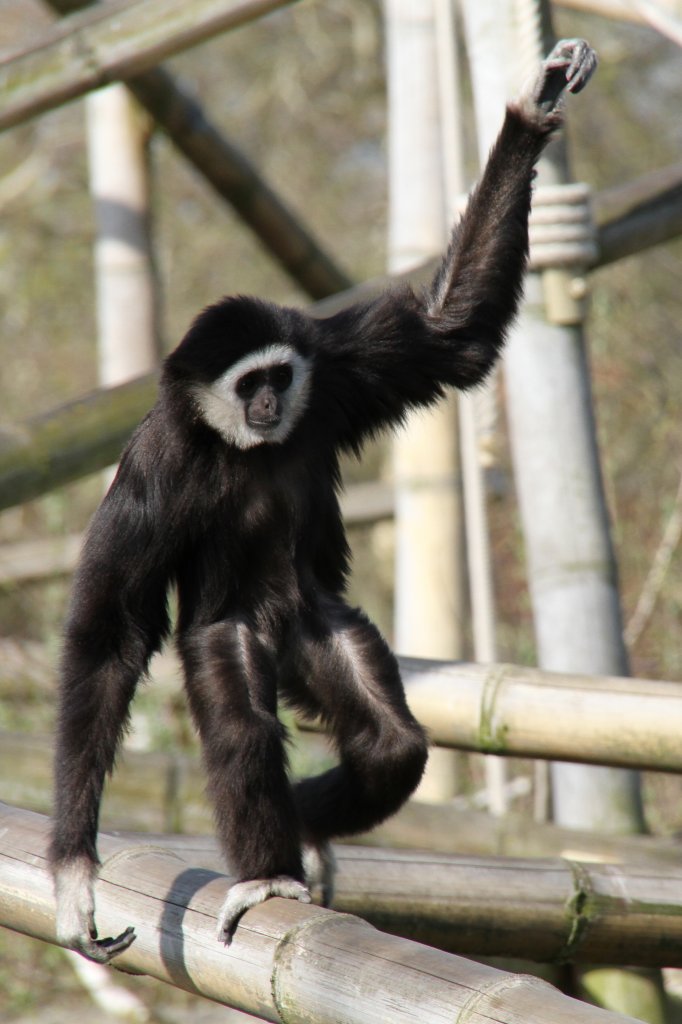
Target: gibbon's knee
x=391, y=763
x=405, y=758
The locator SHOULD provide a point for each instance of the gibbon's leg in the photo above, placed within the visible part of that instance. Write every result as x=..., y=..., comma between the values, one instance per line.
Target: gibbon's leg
x=231, y=683
x=342, y=668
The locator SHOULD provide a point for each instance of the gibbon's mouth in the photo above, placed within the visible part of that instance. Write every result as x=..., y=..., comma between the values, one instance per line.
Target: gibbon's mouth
x=265, y=425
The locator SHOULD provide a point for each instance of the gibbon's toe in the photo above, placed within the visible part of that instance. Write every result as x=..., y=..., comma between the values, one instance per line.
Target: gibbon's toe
x=244, y=895
x=102, y=951
x=319, y=867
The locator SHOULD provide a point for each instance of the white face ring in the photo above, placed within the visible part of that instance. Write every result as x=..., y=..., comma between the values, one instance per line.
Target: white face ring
x=223, y=409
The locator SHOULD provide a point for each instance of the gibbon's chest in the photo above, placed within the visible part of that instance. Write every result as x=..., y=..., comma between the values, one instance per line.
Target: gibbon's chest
x=278, y=504
x=269, y=495
x=272, y=529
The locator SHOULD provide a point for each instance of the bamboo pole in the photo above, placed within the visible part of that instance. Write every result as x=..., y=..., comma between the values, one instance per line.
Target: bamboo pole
x=447, y=829
x=571, y=562
x=429, y=593
x=527, y=712
x=164, y=791
x=517, y=711
x=110, y=44
x=128, y=340
x=475, y=512
x=548, y=911
x=127, y=331
x=287, y=962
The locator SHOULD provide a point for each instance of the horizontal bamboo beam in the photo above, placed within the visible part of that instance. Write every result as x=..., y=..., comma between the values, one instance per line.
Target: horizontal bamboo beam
x=442, y=828
x=527, y=712
x=152, y=791
x=287, y=962
x=41, y=558
x=110, y=43
x=517, y=711
x=45, y=558
x=548, y=911
x=165, y=791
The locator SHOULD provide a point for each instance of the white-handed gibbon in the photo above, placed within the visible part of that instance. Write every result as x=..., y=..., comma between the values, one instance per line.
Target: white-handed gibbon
x=228, y=490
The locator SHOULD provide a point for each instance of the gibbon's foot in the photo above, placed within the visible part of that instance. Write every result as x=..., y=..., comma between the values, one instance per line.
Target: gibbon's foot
x=319, y=868
x=75, y=914
x=244, y=895
x=102, y=951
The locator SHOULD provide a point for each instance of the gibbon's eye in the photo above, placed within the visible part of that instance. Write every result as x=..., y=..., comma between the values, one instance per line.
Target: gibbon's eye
x=248, y=384
x=281, y=377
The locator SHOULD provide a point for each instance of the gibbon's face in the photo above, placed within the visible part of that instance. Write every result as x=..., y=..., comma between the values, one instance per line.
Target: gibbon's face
x=259, y=399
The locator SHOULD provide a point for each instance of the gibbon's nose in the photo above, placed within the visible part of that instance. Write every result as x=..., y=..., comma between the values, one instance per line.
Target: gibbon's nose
x=265, y=408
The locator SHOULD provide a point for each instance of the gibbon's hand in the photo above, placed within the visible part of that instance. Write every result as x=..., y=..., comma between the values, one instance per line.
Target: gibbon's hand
x=569, y=66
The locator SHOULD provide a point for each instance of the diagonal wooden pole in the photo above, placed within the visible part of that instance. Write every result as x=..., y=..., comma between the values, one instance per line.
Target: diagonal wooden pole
x=110, y=43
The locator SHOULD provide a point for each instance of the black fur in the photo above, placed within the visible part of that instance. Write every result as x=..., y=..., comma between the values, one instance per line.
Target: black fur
x=253, y=539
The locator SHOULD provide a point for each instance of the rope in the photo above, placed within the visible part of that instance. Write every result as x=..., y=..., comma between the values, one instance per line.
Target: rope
x=561, y=229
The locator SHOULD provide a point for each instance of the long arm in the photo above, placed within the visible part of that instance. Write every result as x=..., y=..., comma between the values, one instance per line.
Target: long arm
x=399, y=351
x=117, y=619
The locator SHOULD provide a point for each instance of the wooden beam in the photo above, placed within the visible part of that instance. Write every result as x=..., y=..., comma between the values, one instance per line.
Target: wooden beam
x=40, y=559
x=516, y=711
x=287, y=962
x=232, y=175
x=70, y=442
x=44, y=558
x=235, y=179
x=110, y=43
x=619, y=10
x=527, y=712
x=649, y=213
x=546, y=910
x=165, y=791
x=36, y=456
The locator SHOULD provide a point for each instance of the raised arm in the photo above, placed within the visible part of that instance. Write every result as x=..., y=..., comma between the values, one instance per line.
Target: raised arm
x=399, y=351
